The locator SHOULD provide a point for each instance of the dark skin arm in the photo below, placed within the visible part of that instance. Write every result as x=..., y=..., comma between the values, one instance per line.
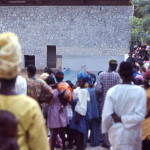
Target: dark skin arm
x=54, y=86
x=116, y=118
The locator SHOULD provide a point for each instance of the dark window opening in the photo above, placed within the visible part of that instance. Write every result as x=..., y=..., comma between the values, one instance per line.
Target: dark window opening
x=29, y=60
x=51, y=56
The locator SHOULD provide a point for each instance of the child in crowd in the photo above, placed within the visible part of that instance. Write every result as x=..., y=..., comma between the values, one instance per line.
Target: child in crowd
x=78, y=123
x=50, y=81
x=8, y=131
x=57, y=116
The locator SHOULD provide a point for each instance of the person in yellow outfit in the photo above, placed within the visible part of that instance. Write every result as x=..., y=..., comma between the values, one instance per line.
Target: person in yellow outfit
x=146, y=122
x=31, y=127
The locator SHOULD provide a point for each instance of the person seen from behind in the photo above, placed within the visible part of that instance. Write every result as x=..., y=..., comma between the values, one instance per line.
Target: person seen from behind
x=32, y=133
x=82, y=97
x=50, y=81
x=37, y=88
x=124, y=112
x=94, y=124
x=64, y=89
x=57, y=117
x=105, y=81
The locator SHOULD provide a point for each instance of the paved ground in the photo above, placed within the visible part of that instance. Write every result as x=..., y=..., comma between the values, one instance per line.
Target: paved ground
x=91, y=148
x=96, y=148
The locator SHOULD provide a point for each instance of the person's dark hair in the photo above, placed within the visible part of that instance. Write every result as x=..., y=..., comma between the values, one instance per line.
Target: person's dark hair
x=140, y=63
x=50, y=80
x=94, y=77
x=138, y=82
x=48, y=70
x=113, y=66
x=59, y=76
x=31, y=69
x=45, y=70
x=8, y=124
x=8, y=131
x=70, y=83
x=125, y=69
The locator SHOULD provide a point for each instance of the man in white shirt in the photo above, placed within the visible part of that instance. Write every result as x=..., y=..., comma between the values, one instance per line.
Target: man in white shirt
x=124, y=111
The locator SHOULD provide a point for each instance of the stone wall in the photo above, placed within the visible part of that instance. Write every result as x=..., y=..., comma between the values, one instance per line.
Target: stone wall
x=75, y=30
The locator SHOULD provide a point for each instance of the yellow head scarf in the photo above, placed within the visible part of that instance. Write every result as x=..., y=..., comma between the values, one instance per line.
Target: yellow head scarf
x=10, y=55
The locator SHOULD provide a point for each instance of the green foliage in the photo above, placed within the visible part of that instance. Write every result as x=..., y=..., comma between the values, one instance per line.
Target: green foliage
x=137, y=30
x=141, y=21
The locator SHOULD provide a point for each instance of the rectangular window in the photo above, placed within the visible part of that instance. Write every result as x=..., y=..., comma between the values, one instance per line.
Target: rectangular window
x=29, y=60
x=51, y=56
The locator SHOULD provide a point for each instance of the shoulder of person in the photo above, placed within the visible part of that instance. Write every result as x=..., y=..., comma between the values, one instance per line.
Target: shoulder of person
x=116, y=73
x=40, y=80
x=138, y=88
x=83, y=91
x=19, y=77
x=27, y=101
x=114, y=88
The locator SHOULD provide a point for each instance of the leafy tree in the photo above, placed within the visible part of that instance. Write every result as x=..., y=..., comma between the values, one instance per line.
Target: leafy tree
x=141, y=21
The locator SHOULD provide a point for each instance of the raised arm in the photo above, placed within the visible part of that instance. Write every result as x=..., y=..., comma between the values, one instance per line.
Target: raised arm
x=47, y=92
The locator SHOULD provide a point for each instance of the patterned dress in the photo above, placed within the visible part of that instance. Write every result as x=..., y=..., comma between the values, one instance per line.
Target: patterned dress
x=106, y=80
x=38, y=89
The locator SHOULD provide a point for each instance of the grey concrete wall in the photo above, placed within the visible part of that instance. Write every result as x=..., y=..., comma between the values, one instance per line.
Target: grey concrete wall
x=75, y=30
x=93, y=63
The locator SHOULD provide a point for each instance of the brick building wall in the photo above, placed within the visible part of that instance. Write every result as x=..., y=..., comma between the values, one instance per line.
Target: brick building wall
x=75, y=30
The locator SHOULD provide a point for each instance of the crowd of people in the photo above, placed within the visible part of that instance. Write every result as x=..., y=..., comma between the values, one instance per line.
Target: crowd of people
x=47, y=112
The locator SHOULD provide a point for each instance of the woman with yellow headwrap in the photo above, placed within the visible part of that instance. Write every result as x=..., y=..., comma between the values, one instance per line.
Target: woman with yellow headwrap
x=31, y=128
